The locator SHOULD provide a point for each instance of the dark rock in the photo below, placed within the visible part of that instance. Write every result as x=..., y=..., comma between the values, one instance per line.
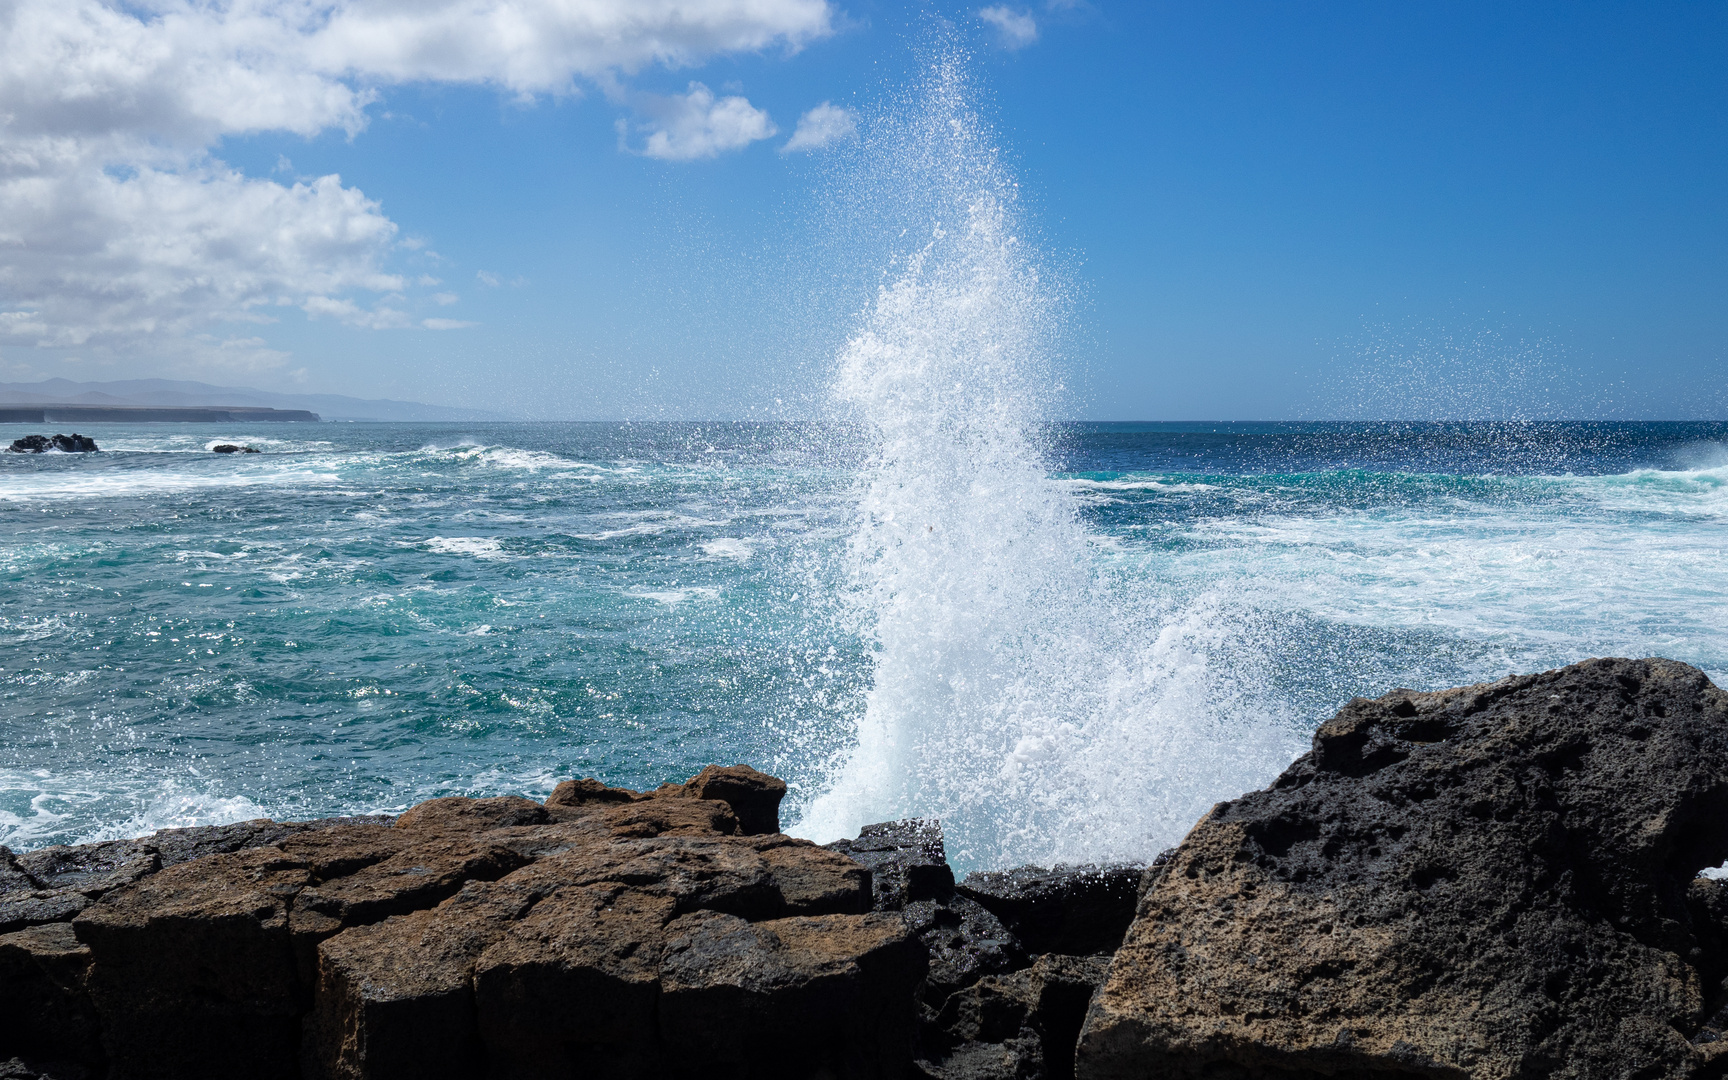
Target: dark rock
x=1018, y=1026
x=91, y=869
x=23, y=909
x=45, y=1012
x=906, y=860
x=14, y=878
x=69, y=444
x=828, y=996
x=965, y=943
x=230, y=448
x=1491, y=881
x=1074, y=910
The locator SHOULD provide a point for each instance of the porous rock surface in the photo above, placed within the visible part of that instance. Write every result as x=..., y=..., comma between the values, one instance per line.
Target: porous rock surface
x=606, y=932
x=1491, y=882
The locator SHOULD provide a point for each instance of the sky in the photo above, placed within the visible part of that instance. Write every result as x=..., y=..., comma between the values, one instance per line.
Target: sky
x=600, y=209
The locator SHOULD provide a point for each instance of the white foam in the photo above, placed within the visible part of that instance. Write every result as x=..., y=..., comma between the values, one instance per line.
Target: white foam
x=674, y=597
x=728, y=547
x=481, y=547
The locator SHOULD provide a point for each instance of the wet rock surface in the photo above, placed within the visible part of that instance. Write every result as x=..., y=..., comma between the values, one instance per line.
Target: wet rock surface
x=231, y=448
x=1496, y=881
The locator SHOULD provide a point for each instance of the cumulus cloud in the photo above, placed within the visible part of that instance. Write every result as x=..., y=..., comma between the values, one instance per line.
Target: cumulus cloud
x=825, y=124
x=1016, y=29
x=695, y=124
x=119, y=228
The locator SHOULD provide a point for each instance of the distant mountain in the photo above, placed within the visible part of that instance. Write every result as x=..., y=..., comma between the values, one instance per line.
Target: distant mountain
x=179, y=392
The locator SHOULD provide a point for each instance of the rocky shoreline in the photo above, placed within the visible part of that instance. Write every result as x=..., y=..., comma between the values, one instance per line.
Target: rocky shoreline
x=1497, y=881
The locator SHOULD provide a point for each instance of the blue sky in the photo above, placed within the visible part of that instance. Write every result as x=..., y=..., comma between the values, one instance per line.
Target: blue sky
x=1266, y=210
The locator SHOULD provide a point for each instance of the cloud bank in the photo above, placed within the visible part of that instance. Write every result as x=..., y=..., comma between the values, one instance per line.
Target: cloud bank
x=119, y=229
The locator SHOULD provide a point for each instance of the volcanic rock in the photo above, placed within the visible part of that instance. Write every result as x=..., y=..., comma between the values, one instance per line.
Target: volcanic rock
x=231, y=448
x=1496, y=881
x=907, y=861
x=826, y=996
x=626, y=932
x=1075, y=910
x=1019, y=1026
x=68, y=444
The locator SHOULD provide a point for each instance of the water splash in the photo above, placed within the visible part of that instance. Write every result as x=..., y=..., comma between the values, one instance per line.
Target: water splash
x=1029, y=689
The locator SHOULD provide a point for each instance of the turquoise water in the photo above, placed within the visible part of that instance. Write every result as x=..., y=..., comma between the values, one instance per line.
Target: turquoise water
x=366, y=615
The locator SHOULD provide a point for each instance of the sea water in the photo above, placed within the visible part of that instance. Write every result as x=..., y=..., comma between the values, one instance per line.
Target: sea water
x=1066, y=641
x=365, y=615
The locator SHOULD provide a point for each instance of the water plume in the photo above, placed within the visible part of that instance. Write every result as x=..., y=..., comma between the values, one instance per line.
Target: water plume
x=1029, y=688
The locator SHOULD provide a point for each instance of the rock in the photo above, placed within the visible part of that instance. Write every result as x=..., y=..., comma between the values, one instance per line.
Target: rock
x=69, y=444
x=906, y=859
x=1019, y=1026
x=46, y=1014
x=799, y=997
x=230, y=448
x=754, y=797
x=583, y=792
x=965, y=943
x=1492, y=881
x=1074, y=910
x=575, y=984
x=466, y=937
x=396, y=999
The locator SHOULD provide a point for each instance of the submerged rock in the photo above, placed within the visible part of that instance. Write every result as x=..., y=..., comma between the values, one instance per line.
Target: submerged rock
x=68, y=444
x=1495, y=881
x=231, y=448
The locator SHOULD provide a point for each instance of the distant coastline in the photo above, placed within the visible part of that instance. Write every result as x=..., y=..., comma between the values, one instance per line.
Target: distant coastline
x=166, y=396
x=146, y=414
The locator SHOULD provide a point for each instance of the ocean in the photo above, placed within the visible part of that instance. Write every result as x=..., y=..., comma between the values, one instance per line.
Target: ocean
x=1067, y=645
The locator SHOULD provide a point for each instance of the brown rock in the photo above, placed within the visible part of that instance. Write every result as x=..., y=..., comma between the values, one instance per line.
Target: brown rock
x=813, y=880
x=396, y=999
x=672, y=817
x=1488, y=882
x=583, y=792
x=573, y=986
x=799, y=997
x=754, y=796
x=460, y=814
x=192, y=971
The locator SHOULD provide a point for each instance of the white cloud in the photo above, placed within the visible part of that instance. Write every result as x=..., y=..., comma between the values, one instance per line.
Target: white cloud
x=445, y=299
x=695, y=124
x=488, y=278
x=117, y=227
x=446, y=324
x=821, y=126
x=1017, y=29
